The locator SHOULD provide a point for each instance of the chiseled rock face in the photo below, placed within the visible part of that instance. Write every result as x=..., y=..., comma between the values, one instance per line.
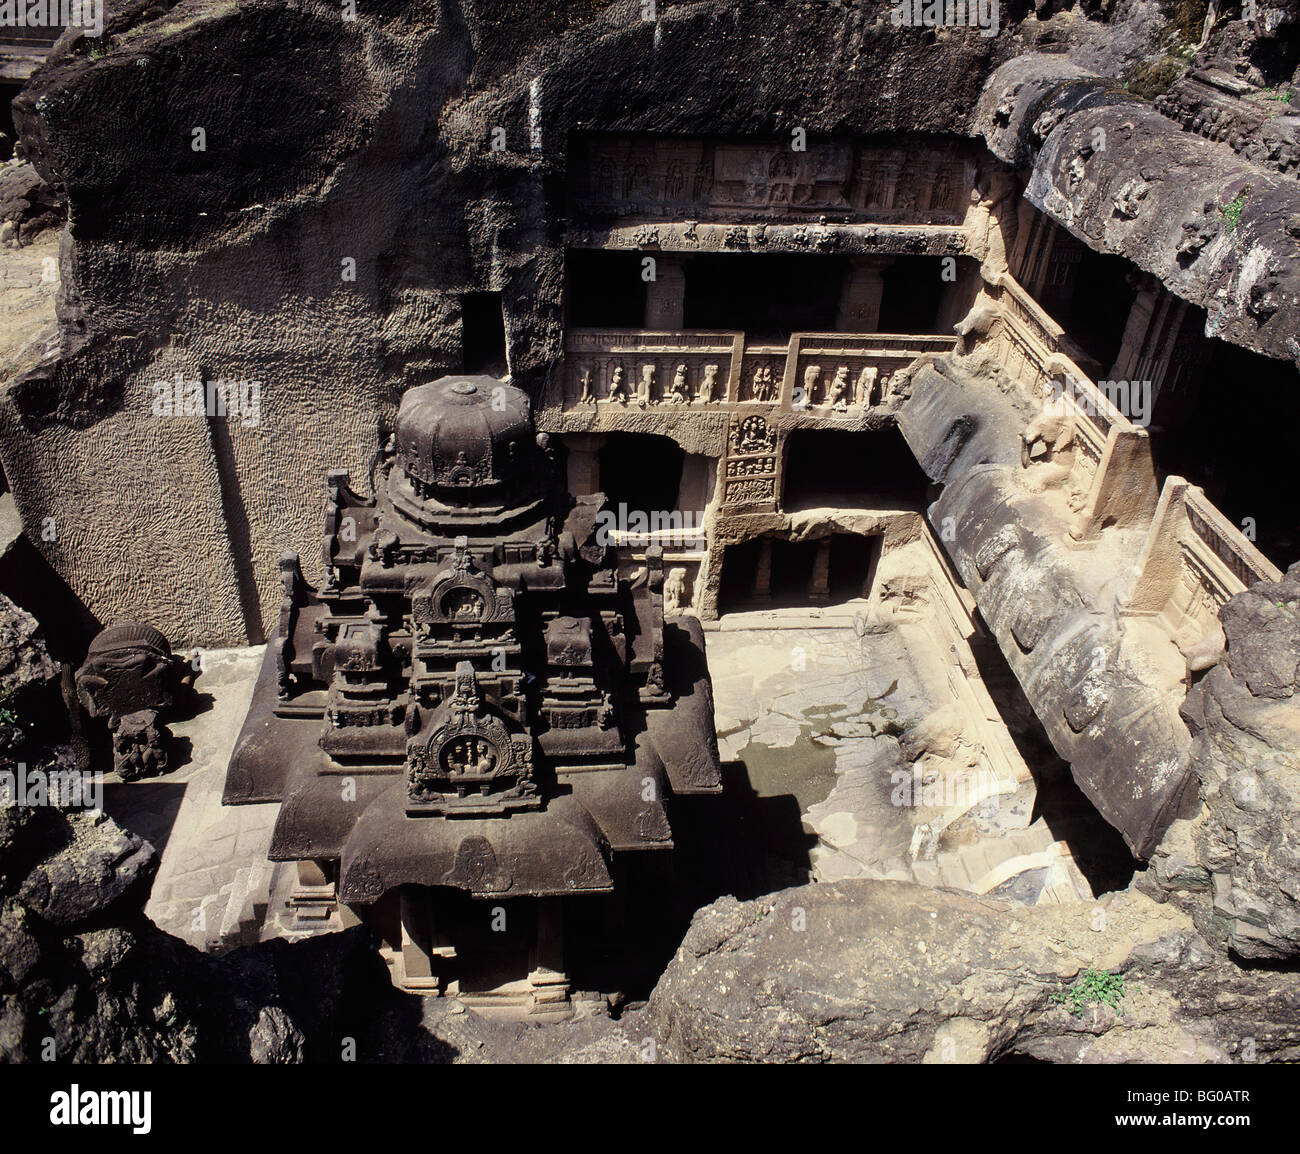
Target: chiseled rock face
x=1245, y=715
x=227, y=263
x=892, y=972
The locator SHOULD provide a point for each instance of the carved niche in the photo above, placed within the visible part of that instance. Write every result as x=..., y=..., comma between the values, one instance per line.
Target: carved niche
x=472, y=764
x=752, y=434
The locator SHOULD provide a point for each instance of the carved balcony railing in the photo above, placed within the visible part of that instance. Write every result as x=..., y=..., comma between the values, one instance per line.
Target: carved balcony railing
x=1193, y=561
x=667, y=371
x=1112, y=475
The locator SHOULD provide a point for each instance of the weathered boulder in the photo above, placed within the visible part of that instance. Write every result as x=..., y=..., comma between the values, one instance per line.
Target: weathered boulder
x=28, y=206
x=867, y=971
x=99, y=865
x=1237, y=866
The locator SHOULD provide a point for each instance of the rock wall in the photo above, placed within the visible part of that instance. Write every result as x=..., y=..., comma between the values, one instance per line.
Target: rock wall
x=369, y=141
x=890, y=972
x=1218, y=231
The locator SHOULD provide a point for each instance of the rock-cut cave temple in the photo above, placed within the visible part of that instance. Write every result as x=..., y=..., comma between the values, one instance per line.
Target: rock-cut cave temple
x=747, y=477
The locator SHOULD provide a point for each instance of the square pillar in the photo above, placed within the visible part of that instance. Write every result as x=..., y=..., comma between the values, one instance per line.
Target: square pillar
x=763, y=571
x=548, y=981
x=582, y=467
x=859, y=310
x=665, y=296
x=819, y=585
x=1136, y=329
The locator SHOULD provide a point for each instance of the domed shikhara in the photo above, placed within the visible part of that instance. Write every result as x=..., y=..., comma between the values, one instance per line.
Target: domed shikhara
x=464, y=444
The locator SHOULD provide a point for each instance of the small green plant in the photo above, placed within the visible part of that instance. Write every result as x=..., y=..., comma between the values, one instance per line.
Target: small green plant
x=1282, y=96
x=98, y=52
x=1093, y=988
x=7, y=715
x=1231, y=212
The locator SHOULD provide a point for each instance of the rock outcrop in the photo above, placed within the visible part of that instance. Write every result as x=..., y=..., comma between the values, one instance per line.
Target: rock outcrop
x=872, y=971
x=1236, y=866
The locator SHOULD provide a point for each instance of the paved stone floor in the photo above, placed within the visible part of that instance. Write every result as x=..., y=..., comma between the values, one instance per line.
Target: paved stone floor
x=813, y=706
x=29, y=282
x=213, y=876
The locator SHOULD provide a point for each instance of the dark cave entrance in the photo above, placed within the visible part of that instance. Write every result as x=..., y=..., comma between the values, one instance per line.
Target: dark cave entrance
x=603, y=289
x=1241, y=452
x=1090, y=295
x=913, y=290
x=859, y=470
x=767, y=296
x=641, y=470
x=773, y=572
x=483, y=334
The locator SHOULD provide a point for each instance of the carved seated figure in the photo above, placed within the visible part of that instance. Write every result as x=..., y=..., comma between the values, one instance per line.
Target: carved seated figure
x=675, y=595
x=617, y=389
x=677, y=392
x=838, y=394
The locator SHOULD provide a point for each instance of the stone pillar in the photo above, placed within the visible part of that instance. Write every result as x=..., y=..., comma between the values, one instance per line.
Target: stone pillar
x=417, y=958
x=583, y=466
x=314, y=899
x=763, y=571
x=550, y=984
x=819, y=585
x=696, y=487
x=859, y=310
x=1136, y=328
x=665, y=296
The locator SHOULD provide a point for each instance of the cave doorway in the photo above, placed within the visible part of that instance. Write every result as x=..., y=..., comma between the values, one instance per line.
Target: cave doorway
x=603, y=289
x=483, y=334
x=847, y=469
x=641, y=470
x=1240, y=452
x=767, y=296
x=773, y=572
x=1090, y=295
x=912, y=293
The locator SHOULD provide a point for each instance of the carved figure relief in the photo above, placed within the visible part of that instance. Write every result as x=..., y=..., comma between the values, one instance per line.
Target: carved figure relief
x=752, y=435
x=677, y=393
x=617, y=389
x=865, y=389
x=708, y=390
x=811, y=380
x=838, y=395
x=645, y=392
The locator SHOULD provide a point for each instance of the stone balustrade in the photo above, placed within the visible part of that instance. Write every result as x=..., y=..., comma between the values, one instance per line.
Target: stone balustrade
x=1112, y=477
x=1193, y=561
x=831, y=372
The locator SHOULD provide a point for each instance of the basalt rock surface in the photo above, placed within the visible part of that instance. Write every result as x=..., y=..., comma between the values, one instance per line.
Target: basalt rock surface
x=1218, y=231
x=1236, y=866
x=868, y=971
